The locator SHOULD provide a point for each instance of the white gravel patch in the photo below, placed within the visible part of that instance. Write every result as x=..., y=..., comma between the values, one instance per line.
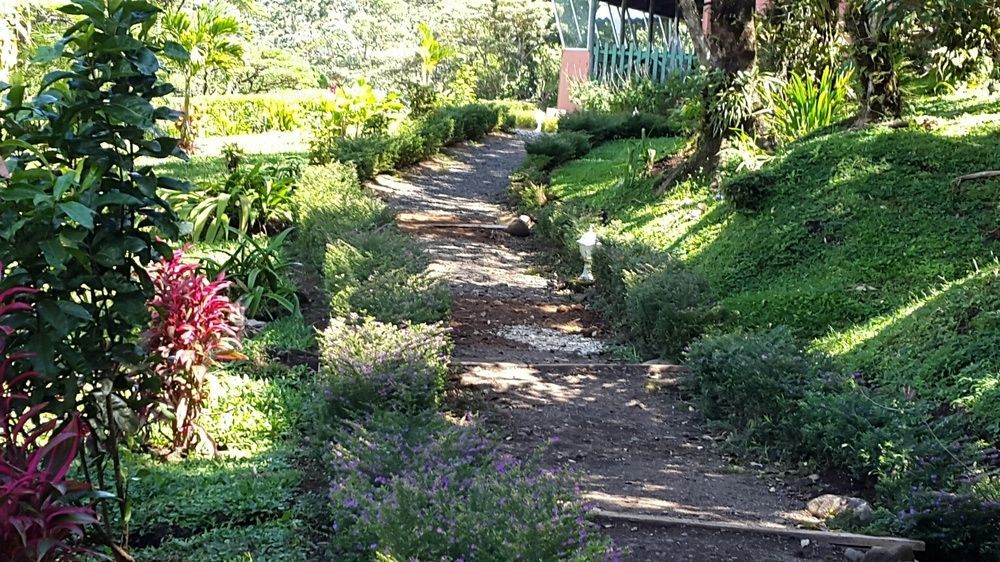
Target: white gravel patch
x=547, y=339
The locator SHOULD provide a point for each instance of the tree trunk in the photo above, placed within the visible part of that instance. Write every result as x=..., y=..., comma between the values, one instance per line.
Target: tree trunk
x=732, y=50
x=8, y=43
x=187, y=123
x=881, y=98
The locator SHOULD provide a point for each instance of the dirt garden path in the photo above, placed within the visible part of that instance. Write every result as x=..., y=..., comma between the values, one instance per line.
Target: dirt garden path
x=632, y=441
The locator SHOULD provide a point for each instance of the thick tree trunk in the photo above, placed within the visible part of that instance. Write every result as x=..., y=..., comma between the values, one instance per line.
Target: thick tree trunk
x=881, y=97
x=732, y=49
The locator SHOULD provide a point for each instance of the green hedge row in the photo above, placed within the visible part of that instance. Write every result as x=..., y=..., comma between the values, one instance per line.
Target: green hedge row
x=411, y=142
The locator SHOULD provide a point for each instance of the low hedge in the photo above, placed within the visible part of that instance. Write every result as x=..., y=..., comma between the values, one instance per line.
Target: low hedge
x=604, y=127
x=411, y=142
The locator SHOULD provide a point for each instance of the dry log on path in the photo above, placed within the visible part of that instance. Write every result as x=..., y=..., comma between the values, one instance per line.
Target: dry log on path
x=829, y=537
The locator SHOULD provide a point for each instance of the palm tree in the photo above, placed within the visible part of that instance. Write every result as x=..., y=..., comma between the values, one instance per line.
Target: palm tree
x=432, y=52
x=210, y=37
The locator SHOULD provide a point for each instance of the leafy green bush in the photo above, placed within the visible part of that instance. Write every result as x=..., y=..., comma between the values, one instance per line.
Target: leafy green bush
x=559, y=147
x=473, y=121
x=369, y=155
x=804, y=104
x=604, y=127
x=367, y=365
x=356, y=257
x=751, y=382
x=748, y=192
x=678, y=98
x=617, y=266
x=961, y=526
x=248, y=200
x=422, y=488
x=227, y=115
x=380, y=274
x=667, y=309
x=396, y=295
x=879, y=437
x=258, y=270
x=82, y=221
x=329, y=203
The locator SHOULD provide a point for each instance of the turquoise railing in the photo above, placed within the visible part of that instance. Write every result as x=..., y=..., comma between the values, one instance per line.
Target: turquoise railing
x=617, y=63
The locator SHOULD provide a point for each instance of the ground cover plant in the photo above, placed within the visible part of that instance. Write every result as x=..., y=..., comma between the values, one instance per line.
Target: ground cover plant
x=860, y=245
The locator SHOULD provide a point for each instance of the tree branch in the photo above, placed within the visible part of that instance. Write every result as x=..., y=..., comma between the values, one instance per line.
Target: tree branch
x=976, y=176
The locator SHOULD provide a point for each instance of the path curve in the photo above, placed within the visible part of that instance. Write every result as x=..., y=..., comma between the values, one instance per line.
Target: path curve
x=634, y=444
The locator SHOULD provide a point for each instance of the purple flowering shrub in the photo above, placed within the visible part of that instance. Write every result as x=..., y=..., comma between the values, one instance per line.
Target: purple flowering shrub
x=963, y=526
x=366, y=364
x=422, y=488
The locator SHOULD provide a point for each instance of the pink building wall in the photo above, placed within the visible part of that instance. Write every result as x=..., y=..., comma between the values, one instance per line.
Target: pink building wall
x=575, y=66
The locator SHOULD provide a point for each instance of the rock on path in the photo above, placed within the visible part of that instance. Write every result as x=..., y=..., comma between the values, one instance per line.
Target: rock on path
x=631, y=448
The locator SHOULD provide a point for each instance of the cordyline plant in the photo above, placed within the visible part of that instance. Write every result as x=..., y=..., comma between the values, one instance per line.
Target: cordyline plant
x=39, y=518
x=194, y=325
x=79, y=219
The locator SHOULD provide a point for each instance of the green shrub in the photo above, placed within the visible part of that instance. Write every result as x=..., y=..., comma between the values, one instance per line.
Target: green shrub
x=249, y=200
x=258, y=269
x=604, y=127
x=751, y=383
x=747, y=192
x=369, y=155
x=880, y=437
x=367, y=365
x=357, y=257
x=396, y=295
x=615, y=268
x=473, y=121
x=804, y=105
x=677, y=98
x=252, y=413
x=380, y=274
x=667, y=309
x=329, y=203
x=965, y=526
x=559, y=147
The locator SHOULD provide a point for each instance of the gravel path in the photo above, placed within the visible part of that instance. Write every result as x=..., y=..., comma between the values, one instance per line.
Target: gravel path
x=634, y=443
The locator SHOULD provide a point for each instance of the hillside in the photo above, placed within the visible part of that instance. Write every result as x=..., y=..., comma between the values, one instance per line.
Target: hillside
x=861, y=246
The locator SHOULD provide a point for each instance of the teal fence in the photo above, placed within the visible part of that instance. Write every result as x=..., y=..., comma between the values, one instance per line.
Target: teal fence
x=618, y=63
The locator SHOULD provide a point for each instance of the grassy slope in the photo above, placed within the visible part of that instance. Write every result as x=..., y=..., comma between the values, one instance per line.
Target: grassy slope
x=862, y=246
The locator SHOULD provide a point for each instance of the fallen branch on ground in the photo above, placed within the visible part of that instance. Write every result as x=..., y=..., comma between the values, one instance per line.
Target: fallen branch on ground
x=829, y=537
x=973, y=177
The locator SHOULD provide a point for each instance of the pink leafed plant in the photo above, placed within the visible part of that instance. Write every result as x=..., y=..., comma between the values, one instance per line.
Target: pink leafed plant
x=194, y=326
x=38, y=519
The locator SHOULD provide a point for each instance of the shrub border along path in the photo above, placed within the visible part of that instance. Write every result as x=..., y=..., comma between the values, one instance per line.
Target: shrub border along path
x=630, y=449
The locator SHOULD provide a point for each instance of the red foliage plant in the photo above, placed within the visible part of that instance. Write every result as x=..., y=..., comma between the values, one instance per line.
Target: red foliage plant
x=194, y=325
x=38, y=519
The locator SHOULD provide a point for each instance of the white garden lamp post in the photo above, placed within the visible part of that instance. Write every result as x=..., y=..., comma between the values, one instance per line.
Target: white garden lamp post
x=587, y=243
